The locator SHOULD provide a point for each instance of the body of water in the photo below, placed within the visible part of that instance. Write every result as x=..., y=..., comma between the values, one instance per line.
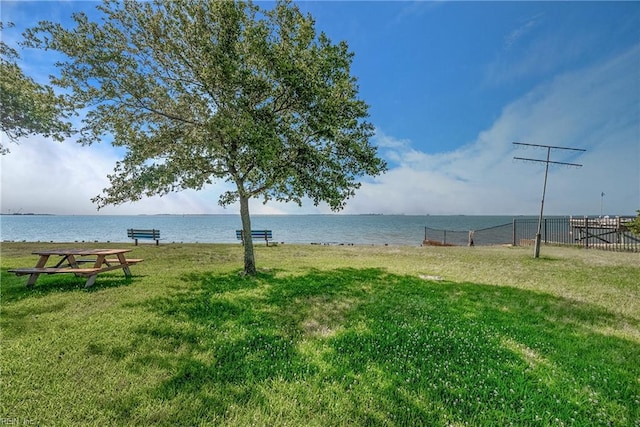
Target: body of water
x=321, y=229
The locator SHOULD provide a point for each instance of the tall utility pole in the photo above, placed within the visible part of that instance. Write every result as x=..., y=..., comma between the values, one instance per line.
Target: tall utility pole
x=536, y=250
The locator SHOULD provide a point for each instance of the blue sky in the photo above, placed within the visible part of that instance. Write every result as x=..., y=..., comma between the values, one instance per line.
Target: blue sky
x=450, y=86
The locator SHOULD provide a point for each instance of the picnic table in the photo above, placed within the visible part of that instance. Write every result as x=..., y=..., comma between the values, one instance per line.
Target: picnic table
x=72, y=260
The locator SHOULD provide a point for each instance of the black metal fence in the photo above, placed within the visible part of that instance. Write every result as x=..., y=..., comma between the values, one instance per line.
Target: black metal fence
x=588, y=232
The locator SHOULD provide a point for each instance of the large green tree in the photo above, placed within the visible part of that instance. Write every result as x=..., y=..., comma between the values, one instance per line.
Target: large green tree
x=27, y=107
x=199, y=91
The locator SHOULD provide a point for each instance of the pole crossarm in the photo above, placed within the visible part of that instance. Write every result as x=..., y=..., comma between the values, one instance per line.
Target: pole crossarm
x=550, y=161
x=549, y=146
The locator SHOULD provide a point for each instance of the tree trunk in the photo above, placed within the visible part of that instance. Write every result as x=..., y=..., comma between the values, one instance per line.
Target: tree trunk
x=249, y=259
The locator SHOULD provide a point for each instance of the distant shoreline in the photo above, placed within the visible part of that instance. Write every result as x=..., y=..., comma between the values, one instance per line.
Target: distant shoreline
x=26, y=214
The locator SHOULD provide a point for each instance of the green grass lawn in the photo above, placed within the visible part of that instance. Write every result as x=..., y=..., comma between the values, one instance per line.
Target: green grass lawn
x=362, y=335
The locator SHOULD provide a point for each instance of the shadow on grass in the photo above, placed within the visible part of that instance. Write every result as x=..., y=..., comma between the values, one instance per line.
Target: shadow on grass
x=362, y=346
x=14, y=287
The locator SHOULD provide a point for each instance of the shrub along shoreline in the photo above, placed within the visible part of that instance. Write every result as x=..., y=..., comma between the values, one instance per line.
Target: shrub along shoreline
x=326, y=335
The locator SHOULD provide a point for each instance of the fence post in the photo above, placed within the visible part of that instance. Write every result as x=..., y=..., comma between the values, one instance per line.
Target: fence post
x=586, y=232
x=514, y=232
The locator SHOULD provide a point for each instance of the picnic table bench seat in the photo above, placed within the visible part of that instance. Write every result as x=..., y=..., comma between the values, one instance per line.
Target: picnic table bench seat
x=256, y=234
x=53, y=270
x=110, y=261
x=135, y=234
x=77, y=271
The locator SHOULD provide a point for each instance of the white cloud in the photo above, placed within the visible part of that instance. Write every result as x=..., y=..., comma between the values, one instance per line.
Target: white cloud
x=531, y=50
x=596, y=108
x=520, y=32
x=43, y=176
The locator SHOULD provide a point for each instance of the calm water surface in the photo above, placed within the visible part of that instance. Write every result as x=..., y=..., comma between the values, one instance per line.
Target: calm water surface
x=330, y=229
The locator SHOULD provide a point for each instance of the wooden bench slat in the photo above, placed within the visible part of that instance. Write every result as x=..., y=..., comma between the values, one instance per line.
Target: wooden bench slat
x=129, y=260
x=110, y=261
x=52, y=270
x=79, y=271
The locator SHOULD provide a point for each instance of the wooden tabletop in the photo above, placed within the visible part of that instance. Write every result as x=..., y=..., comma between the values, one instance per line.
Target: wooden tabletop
x=81, y=252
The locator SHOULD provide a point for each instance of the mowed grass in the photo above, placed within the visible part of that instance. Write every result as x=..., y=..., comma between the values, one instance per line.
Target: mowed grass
x=362, y=335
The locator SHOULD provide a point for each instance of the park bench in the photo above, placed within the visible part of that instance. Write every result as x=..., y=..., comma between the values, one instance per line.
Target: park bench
x=256, y=234
x=136, y=234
